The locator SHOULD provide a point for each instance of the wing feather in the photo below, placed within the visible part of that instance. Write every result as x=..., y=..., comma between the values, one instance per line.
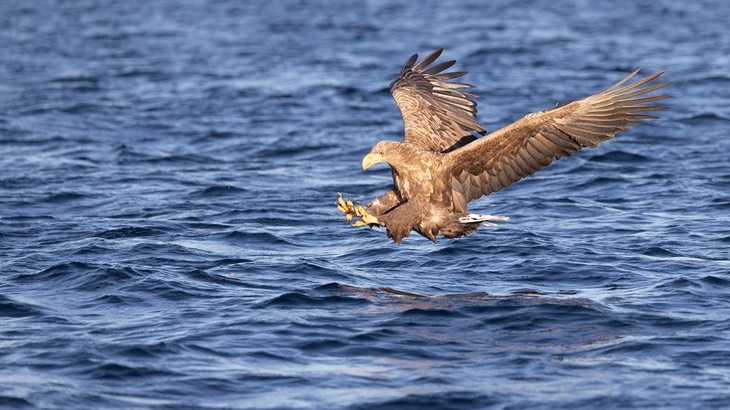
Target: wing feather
x=437, y=114
x=451, y=76
x=535, y=141
x=439, y=67
x=427, y=60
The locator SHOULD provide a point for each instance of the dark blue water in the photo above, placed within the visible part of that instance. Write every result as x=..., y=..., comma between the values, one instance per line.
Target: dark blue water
x=168, y=234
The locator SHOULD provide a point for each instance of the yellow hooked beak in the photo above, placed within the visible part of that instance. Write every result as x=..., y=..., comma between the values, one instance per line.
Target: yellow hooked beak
x=371, y=159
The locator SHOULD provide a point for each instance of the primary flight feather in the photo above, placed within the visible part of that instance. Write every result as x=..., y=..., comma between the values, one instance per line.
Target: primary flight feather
x=442, y=165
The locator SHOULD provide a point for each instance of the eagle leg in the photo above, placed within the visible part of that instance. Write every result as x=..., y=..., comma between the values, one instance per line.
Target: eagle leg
x=346, y=207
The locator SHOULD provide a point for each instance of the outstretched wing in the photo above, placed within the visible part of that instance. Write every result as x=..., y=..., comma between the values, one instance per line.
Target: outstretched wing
x=501, y=158
x=436, y=114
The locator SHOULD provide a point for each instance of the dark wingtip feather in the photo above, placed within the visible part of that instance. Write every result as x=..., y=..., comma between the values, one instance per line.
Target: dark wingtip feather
x=428, y=60
x=409, y=63
x=449, y=76
x=439, y=67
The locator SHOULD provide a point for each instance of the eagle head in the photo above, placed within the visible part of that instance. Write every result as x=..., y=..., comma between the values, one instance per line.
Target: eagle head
x=384, y=151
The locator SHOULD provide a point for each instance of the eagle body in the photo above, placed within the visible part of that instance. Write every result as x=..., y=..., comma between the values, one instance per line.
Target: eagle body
x=448, y=159
x=422, y=197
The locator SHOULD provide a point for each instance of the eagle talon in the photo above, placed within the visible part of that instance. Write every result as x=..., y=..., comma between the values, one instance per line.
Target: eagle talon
x=360, y=211
x=346, y=207
x=366, y=218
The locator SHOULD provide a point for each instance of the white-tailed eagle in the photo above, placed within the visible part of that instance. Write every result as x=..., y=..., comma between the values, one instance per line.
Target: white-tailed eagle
x=442, y=165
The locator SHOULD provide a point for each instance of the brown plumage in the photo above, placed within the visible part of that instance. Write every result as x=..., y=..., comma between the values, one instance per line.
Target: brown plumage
x=442, y=166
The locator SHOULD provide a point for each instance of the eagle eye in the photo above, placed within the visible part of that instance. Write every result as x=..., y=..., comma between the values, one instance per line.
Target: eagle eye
x=381, y=153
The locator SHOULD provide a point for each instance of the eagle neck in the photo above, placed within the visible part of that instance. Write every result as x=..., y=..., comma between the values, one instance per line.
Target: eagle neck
x=408, y=159
x=412, y=168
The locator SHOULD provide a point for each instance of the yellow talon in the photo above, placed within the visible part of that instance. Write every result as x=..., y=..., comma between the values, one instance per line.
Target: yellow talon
x=340, y=201
x=346, y=207
x=366, y=218
x=370, y=220
x=351, y=211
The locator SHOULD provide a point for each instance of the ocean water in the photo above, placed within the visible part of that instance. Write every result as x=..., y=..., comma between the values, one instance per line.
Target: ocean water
x=169, y=239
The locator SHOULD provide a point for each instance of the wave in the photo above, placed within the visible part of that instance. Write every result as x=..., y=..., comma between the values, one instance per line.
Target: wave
x=129, y=232
x=622, y=157
x=80, y=276
x=248, y=238
x=10, y=402
x=218, y=191
x=445, y=399
x=12, y=308
x=703, y=117
x=63, y=197
x=297, y=299
x=115, y=371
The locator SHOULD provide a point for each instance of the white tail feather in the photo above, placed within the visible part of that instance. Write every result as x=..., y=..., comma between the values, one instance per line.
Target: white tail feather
x=475, y=218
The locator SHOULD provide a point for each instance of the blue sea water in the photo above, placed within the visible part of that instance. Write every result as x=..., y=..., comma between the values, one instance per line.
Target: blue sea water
x=168, y=234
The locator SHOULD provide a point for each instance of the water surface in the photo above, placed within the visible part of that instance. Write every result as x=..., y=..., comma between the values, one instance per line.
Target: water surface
x=168, y=234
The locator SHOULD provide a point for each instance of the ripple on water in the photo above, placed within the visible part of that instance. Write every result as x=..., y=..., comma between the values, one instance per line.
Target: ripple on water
x=299, y=300
x=128, y=232
x=14, y=309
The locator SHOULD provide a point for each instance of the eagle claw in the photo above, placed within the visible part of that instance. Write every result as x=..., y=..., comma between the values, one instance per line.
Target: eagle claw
x=365, y=218
x=346, y=207
x=351, y=212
